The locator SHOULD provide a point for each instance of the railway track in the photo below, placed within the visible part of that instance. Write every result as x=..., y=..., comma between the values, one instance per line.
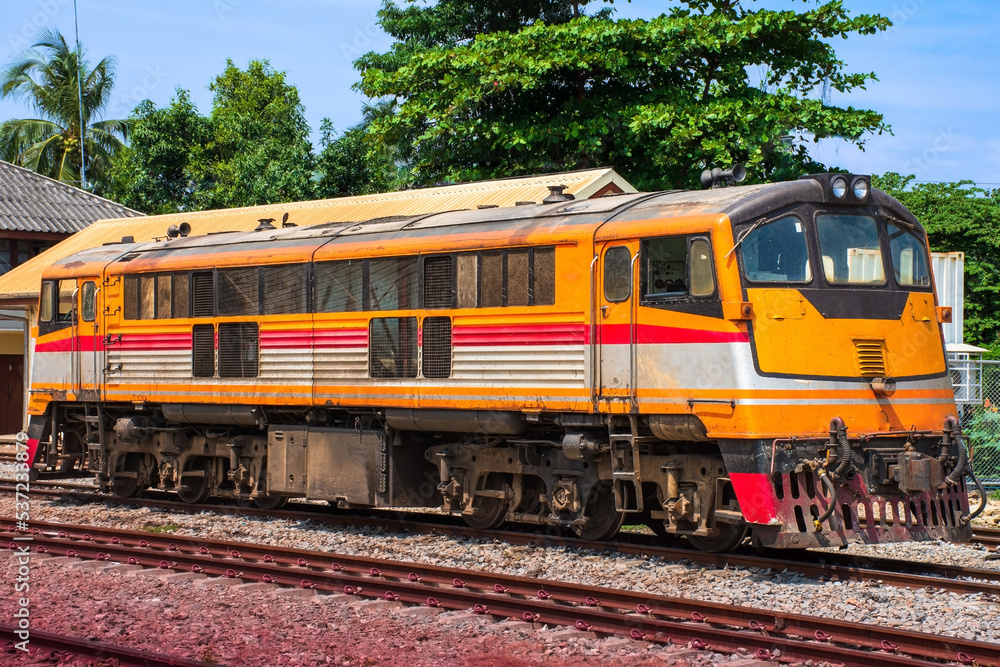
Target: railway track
x=653, y=618
x=61, y=646
x=819, y=565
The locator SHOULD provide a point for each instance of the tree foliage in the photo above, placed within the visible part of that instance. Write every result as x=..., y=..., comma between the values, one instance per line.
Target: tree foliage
x=353, y=164
x=961, y=217
x=260, y=151
x=51, y=78
x=541, y=87
x=252, y=149
x=156, y=173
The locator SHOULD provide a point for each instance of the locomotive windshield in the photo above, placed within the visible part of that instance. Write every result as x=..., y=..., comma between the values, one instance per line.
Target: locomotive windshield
x=851, y=251
x=777, y=252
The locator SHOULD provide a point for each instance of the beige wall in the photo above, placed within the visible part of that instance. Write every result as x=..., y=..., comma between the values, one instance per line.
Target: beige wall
x=12, y=342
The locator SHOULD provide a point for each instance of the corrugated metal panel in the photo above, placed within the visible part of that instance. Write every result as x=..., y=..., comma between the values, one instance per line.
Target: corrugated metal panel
x=23, y=282
x=30, y=202
x=949, y=283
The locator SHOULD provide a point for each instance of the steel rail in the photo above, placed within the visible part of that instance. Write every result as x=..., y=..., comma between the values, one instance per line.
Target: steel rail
x=125, y=656
x=820, y=565
x=639, y=615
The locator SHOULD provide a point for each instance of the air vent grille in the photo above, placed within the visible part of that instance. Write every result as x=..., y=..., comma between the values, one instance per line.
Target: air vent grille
x=239, y=350
x=437, y=347
x=203, y=351
x=871, y=358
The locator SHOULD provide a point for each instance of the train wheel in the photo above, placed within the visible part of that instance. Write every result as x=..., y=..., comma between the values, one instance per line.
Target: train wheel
x=72, y=446
x=603, y=519
x=730, y=536
x=270, y=502
x=491, y=511
x=127, y=485
x=196, y=489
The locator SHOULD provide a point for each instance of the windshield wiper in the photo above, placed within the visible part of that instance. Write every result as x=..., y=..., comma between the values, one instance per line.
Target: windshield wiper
x=744, y=235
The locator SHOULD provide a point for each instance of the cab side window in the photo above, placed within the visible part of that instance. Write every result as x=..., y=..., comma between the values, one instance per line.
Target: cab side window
x=678, y=273
x=88, y=297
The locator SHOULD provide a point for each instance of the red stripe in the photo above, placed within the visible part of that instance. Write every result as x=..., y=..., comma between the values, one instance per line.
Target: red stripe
x=319, y=339
x=544, y=334
x=619, y=334
x=139, y=342
x=73, y=344
x=756, y=495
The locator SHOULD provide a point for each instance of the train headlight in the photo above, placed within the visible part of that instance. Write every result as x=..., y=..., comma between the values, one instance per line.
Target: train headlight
x=860, y=189
x=838, y=187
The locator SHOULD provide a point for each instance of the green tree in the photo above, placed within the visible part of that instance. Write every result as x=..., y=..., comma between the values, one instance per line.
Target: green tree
x=46, y=77
x=961, y=217
x=259, y=151
x=354, y=164
x=542, y=87
x=156, y=172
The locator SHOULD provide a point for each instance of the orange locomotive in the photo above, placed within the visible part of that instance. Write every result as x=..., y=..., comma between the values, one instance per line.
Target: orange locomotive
x=759, y=359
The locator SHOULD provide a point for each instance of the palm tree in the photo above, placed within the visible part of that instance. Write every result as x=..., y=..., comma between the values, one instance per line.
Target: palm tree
x=45, y=76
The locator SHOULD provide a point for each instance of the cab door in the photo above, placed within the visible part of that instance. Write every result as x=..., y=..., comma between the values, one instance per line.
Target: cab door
x=89, y=348
x=614, y=326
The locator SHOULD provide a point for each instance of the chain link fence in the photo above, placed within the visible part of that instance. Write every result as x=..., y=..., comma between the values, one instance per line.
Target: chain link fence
x=977, y=392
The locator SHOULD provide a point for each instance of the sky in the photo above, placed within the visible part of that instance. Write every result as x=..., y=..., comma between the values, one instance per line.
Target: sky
x=938, y=87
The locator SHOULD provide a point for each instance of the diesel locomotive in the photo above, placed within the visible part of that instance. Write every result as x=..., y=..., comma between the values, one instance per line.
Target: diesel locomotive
x=762, y=361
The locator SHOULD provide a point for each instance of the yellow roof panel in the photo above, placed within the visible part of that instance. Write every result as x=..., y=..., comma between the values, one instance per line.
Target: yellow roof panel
x=22, y=283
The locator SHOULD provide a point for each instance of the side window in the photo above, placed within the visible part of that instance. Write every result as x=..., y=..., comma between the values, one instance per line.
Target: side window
x=392, y=347
x=677, y=267
x=467, y=268
x=147, y=297
x=239, y=349
x=164, y=302
x=46, y=305
x=131, y=298
x=67, y=300
x=88, y=297
x=238, y=292
x=338, y=286
x=702, y=281
x=617, y=274
x=286, y=289
x=392, y=284
x=515, y=277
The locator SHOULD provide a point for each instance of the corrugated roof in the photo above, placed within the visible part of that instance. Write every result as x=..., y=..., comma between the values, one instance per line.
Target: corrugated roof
x=23, y=282
x=30, y=202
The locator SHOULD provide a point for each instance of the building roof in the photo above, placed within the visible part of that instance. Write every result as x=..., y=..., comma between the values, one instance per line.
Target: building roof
x=30, y=202
x=21, y=285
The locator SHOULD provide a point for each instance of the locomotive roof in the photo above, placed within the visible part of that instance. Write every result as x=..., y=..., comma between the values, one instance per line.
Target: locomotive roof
x=568, y=219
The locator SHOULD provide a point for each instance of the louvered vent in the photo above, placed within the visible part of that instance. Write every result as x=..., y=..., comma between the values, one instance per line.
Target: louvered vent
x=239, y=350
x=203, y=351
x=436, y=340
x=203, y=289
x=871, y=358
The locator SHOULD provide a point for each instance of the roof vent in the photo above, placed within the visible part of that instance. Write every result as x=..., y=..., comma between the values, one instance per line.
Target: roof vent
x=264, y=224
x=482, y=206
x=557, y=195
x=128, y=239
x=524, y=203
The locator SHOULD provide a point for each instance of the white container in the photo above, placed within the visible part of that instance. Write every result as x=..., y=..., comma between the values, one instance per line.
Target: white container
x=949, y=284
